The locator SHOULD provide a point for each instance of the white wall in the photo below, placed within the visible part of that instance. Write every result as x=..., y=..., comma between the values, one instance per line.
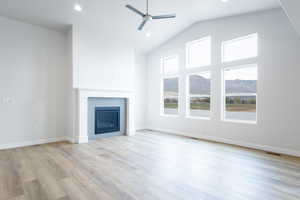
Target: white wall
x=33, y=84
x=102, y=61
x=140, y=91
x=278, y=94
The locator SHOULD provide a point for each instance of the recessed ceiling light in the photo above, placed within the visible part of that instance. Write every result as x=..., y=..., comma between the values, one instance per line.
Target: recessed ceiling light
x=77, y=7
x=224, y=1
x=148, y=34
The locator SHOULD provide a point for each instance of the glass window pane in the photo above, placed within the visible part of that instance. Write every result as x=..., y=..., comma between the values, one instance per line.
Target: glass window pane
x=241, y=80
x=240, y=48
x=171, y=96
x=240, y=92
x=199, y=53
x=170, y=65
x=200, y=94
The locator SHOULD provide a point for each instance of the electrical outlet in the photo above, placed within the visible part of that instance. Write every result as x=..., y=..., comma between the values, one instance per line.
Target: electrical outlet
x=7, y=100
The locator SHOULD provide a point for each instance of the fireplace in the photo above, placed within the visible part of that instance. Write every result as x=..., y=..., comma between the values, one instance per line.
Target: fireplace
x=107, y=120
x=89, y=99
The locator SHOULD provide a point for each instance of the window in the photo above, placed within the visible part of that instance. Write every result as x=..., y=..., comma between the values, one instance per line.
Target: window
x=199, y=95
x=240, y=93
x=240, y=48
x=198, y=53
x=170, y=96
x=170, y=82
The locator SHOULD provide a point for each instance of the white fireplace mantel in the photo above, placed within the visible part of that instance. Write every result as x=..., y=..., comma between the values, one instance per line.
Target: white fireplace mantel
x=81, y=131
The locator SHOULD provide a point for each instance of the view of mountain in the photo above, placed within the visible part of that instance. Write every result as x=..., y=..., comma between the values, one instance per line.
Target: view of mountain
x=171, y=85
x=201, y=85
x=241, y=86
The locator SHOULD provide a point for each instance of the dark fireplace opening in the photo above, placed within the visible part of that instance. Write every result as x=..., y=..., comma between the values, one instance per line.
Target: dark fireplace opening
x=107, y=120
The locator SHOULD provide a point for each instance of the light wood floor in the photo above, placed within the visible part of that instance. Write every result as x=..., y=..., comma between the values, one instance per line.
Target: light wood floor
x=146, y=166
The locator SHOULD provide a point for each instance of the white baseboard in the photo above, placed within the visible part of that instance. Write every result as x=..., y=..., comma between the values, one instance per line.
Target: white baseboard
x=234, y=142
x=82, y=140
x=70, y=139
x=31, y=143
x=141, y=129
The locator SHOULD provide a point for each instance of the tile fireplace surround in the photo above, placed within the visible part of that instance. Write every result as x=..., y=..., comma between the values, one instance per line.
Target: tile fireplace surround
x=82, y=95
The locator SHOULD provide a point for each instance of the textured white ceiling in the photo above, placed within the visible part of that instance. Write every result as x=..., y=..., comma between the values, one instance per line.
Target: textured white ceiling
x=111, y=16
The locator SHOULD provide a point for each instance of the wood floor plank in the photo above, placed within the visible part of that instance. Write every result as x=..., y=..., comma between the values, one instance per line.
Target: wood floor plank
x=45, y=173
x=34, y=191
x=64, y=198
x=23, y=197
x=10, y=182
x=25, y=168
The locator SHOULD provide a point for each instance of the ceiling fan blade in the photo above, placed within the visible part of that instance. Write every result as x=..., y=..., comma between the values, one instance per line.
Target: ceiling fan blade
x=142, y=25
x=164, y=16
x=135, y=10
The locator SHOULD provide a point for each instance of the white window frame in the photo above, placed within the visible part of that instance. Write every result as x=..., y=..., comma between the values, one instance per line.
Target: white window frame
x=164, y=76
x=223, y=111
x=223, y=60
x=188, y=106
x=187, y=50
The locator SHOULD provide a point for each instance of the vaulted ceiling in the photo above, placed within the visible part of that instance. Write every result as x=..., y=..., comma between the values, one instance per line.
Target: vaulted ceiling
x=292, y=8
x=111, y=16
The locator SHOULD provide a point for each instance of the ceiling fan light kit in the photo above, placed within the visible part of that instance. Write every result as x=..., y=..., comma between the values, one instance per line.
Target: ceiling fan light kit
x=147, y=17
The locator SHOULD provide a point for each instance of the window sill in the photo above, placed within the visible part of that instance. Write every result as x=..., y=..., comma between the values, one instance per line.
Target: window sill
x=198, y=118
x=165, y=115
x=240, y=121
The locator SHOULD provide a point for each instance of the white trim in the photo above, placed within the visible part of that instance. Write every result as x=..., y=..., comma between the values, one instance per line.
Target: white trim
x=81, y=139
x=197, y=118
x=104, y=90
x=266, y=148
x=141, y=129
x=241, y=94
x=70, y=139
x=241, y=66
x=170, y=115
x=170, y=76
x=240, y=121
x=32, y=142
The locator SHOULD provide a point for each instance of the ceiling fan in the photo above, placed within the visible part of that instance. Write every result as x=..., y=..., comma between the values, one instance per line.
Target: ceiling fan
x=147, y=17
